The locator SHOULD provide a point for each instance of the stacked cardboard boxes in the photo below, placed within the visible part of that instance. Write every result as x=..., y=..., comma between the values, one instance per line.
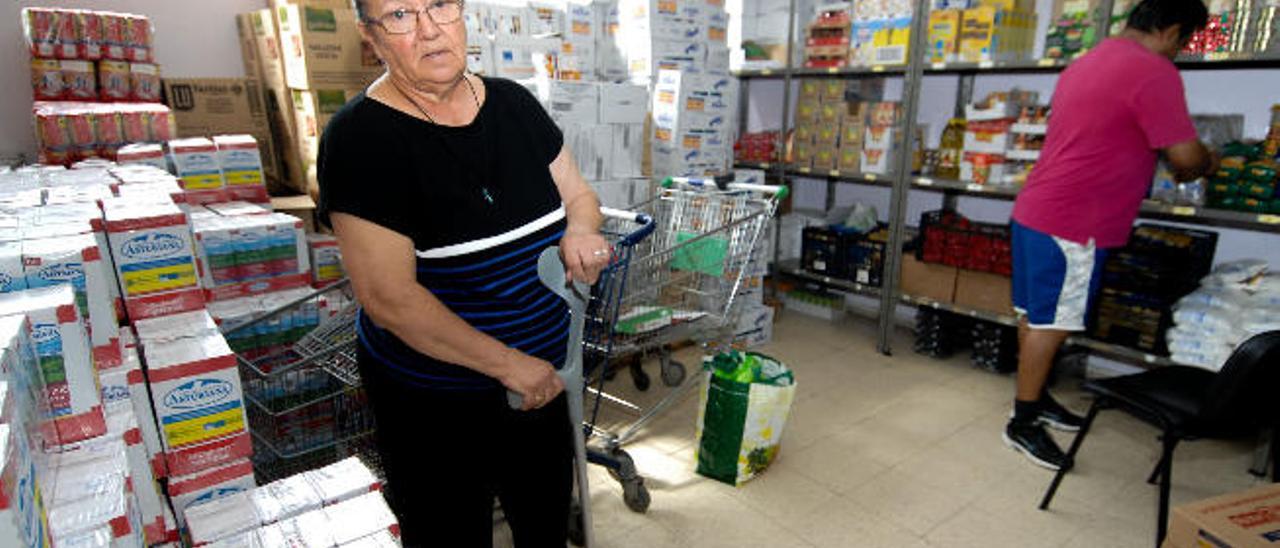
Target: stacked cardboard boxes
x=989, y=136
x=982, y=30
x=832, y=126
x=692, y=121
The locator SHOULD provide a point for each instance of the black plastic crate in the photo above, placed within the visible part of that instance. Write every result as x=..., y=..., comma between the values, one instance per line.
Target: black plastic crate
x=821, y=252
x=1132, y=319
x=865, y=256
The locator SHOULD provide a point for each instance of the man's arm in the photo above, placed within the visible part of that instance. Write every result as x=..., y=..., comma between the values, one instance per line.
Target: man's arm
x=382, y=268
x=1190, y=160
x=582, y=244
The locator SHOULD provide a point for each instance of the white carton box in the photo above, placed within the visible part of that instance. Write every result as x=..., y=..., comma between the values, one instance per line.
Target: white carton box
x=619, y=193
x=623, y=103
x=664, y=19
x=196, y=389
x=208, y=485
x=231, y=515
x=77, y=261
x=381, y=539
x=628, y=150
x=109, y=509
x=65, y=361
x=581, y=22
x=523, y=58
x=545, y=18
x=140, y=400
x=23, y=517
x=343, y=480
x=310, y=529
x=285, y=498
x=577, y=60
x=195, y=160
x=480, y=55
x=717, y=21
x=145, y=489
x=687, y=100
x=12, y=276
x=505, y=22
x=154, y=256
x=592, y=148
x=241, y=164
x=570, y=102
x=237, y=208
x=647, y=56
x=196, y=323
x=142, y=153
x=326, y=259
x=360, y=517
x=718, y=60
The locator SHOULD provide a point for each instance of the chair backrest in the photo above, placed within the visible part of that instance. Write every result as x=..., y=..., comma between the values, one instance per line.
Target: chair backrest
x=1243, y=394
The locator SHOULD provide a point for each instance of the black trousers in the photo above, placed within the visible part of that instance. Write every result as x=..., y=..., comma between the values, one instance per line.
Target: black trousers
x=448, y=453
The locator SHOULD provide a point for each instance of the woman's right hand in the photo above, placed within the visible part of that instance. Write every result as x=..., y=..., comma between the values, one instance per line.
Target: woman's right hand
x=534, y=379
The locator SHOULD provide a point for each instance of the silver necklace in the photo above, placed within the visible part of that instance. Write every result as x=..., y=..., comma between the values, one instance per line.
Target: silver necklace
x=424, y=112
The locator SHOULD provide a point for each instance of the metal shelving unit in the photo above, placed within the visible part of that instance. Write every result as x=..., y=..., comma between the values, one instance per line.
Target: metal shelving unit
x=901, y=184
x=792, y=268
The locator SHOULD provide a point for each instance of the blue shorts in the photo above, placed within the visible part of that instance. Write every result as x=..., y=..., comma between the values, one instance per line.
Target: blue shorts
x=1054, y=280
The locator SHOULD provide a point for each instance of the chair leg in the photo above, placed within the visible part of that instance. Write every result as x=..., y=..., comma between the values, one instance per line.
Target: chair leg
x=1071, y=454
x=1170, y=441
x=1155, y=473
x=1275, y=455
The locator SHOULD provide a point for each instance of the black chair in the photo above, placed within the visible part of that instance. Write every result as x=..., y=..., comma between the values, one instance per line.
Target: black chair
x=1188, y=403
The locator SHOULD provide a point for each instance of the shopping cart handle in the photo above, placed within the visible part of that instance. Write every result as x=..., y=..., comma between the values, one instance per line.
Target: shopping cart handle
x=778, y=191
x=636, y=236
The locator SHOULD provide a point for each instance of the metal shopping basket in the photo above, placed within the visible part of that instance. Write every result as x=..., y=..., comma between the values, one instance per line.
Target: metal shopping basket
x=681, y=285
x=306, y=407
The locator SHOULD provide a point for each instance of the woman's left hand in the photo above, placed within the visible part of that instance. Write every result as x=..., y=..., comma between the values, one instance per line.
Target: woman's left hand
x=584, y=254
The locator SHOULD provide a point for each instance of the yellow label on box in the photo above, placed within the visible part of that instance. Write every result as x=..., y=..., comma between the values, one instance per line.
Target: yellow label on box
x=162, y=277
x=202, y=181
x=189, y=430
x=243, y=177
x=695, y=104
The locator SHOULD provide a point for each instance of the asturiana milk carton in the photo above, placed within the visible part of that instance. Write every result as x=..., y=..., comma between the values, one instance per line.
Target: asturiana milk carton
x=198, y=401
x=77, y=261
x=154, y=258
x=12, y=275
x=241, y=164
x=326, y=260
x=195, y=161
x=24, y=519
x=209, y=485
x=65, y=361
x=142, y=153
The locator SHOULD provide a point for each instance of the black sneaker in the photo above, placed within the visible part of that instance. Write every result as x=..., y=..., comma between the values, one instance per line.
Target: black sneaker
x=1032, y=440
x=1057, y=417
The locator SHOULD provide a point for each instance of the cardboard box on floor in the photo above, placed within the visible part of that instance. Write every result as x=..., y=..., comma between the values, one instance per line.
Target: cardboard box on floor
x=322, y=46
x=932, y=281
x=984, y=291
x=204, y=107
x=279, y=102
x=1240, y=520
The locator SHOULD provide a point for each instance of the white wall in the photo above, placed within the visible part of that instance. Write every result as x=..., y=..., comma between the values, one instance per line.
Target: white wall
x=193, y=38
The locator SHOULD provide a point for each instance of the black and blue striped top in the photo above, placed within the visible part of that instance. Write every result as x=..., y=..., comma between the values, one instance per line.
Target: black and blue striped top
x=480, y=205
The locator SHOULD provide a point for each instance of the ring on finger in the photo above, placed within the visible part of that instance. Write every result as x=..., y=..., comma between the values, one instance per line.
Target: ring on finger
x=600, y=252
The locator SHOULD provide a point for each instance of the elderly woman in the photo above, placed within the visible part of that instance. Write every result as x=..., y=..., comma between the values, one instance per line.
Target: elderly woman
x=443, y=189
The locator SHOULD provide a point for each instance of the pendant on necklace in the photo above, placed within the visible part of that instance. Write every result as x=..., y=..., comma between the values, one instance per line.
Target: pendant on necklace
x=487, y=197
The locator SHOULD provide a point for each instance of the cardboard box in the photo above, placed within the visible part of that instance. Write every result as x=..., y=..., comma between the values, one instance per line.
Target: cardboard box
x=825, y=158
x=570, y=102
x=983, y=168
x=984, y=291
x=241, y=164
x=623, y=103
x=629, y=145
x=266, y=44
x=322, y=47
x=195, y=161
x=480, y=55
x=576, y=60
x=646, y=56
x=592, y=148
x=1241, y=520
x=77, y=261
x=988, y=137
x=932, y=281
x=312, y=110
x=204, y=107
x=326, y=259
x=693, y=101
x=849, y=158
x=282, y=166
x=301, y=207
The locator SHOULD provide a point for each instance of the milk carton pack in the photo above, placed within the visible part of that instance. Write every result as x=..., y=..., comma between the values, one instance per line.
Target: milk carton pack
x=209, y=485
x=195, y=161
x=310, y=529
x=252, y=254
x=570, y=102
x=64, y=358
x=577, y=60
x=140, y=400
x=12, y=275
x=196, y=323
x=381, y=539
x=237, y=208
x=326, y=260
x=160, y=192
x=154, y=256
x=196, y=390
x=683, y=100
x=142, y=154
x=88, y=514
x=628, y=150
x=218, y=519
x=90, y=212
x=360, y=517
x=284, y=499
x=343, y=480
x=77, y=261
x=241, y=164
x=514, y=58
x=24, y=519
x=647, y=56
x=146, y=492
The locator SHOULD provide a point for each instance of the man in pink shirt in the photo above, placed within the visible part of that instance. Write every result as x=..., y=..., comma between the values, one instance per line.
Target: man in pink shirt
x=1116, y=110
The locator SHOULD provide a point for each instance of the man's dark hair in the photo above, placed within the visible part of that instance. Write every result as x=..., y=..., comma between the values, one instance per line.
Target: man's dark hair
x=1157, y=15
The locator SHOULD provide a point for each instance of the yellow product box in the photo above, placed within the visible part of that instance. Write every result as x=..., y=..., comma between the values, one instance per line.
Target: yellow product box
x=808, y=109
x=944, y=35
x=805, y=132
x=830, y=113
x=832, y=91
x=851, y=131
x=802, y=155
x=889, y=44
x=810, y=88
x=827, y=134
x=978, y=37
x=849, y=158
x=1008, y=5
x=825, y=158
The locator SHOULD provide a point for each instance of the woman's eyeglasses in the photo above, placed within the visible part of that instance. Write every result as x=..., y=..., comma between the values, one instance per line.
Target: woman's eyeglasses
x=405, y=21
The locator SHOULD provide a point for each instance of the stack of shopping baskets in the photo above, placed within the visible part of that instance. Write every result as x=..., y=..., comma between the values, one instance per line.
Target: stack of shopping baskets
x=306, y=406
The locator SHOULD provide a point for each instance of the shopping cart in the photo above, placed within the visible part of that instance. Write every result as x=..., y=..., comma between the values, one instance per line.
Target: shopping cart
x=680, y=286
x=306, y=406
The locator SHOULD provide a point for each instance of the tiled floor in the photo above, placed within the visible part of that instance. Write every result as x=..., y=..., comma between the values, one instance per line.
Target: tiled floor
x=899, y=451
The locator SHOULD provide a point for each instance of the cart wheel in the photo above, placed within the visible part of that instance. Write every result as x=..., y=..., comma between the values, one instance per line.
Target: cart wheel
x=639, y=377
x=577, y=534
x=626, y=466
x=636, y=495
x=673, y=372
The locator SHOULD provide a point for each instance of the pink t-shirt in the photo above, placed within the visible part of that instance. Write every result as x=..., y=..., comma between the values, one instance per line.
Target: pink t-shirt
x=1113, y=110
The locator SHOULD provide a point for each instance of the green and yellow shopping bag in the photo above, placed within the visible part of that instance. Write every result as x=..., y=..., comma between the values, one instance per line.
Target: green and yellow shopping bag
x=744, y=408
